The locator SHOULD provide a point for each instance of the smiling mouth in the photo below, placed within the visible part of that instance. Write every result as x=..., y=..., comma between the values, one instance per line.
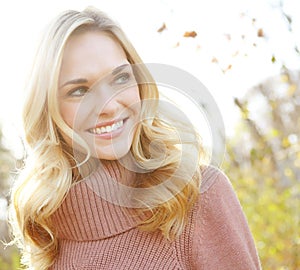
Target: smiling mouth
x=107, y=129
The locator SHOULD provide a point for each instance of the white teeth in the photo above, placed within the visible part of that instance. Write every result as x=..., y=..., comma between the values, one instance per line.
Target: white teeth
x=114, y=127
x=106, y=129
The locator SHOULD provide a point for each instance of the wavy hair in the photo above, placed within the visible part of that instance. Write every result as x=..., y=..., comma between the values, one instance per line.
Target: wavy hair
x=47, y=177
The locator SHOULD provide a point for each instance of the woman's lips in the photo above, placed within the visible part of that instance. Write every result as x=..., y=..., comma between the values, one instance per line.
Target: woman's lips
x=108, y=130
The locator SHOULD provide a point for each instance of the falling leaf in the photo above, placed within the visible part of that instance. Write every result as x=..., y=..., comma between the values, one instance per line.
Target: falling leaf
x=260, y=32
x=235, y=54
x=273, y=59
x=190, y=34
x=177, y=45
x=228, y=68
x=162, y=28
x=289, y=18
x=227, y=36
x=214, y=60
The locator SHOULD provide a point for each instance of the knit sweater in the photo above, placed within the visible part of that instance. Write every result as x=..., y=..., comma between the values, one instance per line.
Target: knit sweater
x=96, y=234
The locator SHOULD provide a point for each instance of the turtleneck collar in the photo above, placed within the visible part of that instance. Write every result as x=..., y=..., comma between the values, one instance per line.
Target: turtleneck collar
x=95, y=208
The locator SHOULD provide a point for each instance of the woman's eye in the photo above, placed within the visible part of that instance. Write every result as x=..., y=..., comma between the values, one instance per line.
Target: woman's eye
x=78, y=92
x=122, y=78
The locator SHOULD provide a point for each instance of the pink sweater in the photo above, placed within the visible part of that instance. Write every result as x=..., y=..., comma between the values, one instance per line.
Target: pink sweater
x=96, y=234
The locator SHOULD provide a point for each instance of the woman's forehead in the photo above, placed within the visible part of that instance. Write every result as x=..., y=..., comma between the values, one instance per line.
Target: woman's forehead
x=91, y=53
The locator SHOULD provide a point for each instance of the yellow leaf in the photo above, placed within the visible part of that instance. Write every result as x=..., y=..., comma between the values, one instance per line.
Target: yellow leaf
x=285, y=142
x=190, y=34
x=162, y=28
x=288, y=172
x=285, y=78
x=297, y=163
x=274, y=132
x=260, y=32
x=292, y=89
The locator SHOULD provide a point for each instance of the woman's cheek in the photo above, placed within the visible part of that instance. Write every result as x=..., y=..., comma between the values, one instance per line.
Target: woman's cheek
x=132, y=96
x=68, y=113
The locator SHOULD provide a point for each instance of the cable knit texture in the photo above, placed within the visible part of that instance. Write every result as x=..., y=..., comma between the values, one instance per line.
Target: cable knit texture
x=96, y=234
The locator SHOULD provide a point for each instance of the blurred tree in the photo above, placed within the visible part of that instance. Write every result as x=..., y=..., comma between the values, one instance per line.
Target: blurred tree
x=6, y=161
x=263, y=161
x=8, y=255
x=263, y=158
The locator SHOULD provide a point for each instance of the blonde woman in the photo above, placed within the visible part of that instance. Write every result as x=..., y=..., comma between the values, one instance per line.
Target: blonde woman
x=110, y=183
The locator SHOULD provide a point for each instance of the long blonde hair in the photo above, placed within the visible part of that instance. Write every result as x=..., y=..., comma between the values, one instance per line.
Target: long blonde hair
x=47, y=175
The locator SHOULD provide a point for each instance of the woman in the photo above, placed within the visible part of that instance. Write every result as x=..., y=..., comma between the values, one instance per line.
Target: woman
x=109, y=182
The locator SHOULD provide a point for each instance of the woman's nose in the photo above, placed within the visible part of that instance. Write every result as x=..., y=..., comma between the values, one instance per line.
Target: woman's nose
x=106, y=100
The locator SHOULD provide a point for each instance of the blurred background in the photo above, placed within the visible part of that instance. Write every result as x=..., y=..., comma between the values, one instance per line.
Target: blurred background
x=247, y=53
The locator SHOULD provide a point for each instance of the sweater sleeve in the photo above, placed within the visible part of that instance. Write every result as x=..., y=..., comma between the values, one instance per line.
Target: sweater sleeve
x=221, y=236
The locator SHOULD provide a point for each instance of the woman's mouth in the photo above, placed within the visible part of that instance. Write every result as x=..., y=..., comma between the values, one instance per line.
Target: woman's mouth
x=108, y=128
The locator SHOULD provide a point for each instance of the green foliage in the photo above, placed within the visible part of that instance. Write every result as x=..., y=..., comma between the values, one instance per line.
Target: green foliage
x=13, y=264
x=263, y=162
x=6, y=161
x=273, y=214
x=9, y=256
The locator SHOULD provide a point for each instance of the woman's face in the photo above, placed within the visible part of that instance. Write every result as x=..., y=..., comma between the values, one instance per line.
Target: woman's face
x=98, y=95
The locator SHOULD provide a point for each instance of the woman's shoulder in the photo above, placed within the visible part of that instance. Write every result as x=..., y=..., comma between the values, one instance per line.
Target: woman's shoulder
x=220, y=228
x=210, y=175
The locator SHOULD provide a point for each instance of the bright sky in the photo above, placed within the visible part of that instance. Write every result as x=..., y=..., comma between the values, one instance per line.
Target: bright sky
x=22, y=22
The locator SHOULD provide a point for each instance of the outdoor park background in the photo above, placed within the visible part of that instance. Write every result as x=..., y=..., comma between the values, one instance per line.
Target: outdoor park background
x=247, y=55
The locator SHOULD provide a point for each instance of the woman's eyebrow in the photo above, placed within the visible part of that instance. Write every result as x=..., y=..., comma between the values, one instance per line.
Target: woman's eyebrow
x=119, y=69
x=82, y=80
x=75, y=81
